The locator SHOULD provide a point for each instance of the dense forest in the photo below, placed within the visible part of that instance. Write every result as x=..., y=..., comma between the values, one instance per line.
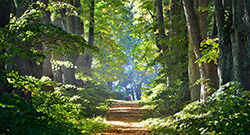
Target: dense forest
x=64, y=62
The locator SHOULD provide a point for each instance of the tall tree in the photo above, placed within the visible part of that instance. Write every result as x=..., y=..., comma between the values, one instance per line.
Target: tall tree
x=223, y=28
x=46, y=64
x=26, y=65
x=5, y=19
x=91, y=38
x=161, y=30
x=233, y=33
x=69, y=73
x=196, y=16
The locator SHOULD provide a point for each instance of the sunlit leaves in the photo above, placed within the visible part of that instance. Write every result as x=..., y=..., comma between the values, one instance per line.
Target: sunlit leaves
x=57, y=41
x=209, y=51
x=109, y=15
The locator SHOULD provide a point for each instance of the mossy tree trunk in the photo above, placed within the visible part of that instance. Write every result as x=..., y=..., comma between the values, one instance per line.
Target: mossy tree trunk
x=233, y=32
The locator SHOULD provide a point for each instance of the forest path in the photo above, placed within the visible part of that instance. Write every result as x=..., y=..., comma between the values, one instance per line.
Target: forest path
x=124, y=118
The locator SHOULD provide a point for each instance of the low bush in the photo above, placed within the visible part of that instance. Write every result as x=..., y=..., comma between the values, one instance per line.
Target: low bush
x=119, y=95
x=30, y=109
x=165, y=99
x=227, y=111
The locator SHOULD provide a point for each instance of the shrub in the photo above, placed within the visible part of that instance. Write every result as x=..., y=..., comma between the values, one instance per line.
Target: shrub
x=47, y=112
x=18, y=116
x=119, y=95
x=227, y=111
x=166, y=99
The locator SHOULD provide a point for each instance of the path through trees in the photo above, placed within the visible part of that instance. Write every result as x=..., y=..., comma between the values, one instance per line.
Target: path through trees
x=124, y=118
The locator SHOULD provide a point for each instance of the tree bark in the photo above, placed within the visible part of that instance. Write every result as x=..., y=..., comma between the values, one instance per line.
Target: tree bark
x=234, y=36
x=225, y=47
x=25, y=66
x=247, y=62
x=195, y=39
x=78, y=22
x=239, y=39
x=79, y=30
x=91, y=38
x=5, y=19
x=46, y=64
x=160, y=19
x=69, y=73
x=193, y=76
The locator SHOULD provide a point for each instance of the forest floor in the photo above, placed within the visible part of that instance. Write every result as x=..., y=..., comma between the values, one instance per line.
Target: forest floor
x=124, y=118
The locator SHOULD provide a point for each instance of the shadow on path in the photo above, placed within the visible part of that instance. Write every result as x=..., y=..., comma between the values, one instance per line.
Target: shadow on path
x=124, y=118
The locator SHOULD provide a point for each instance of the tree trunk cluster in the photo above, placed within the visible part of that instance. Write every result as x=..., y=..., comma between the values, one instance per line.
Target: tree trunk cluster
x=72, y=24
x=233, y=31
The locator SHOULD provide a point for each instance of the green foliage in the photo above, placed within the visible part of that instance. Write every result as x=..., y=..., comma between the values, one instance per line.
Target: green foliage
x=92, y=97
x=26, y=35
x=166, y=99
x=169, y=92
x=119, y=95
x=209, y=51
x=20, y=117
x=231, y=108
x=227, y=111
x=48, y=112
x=158, y=126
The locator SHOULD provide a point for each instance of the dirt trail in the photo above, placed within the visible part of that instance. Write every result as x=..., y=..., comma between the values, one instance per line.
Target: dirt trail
x=124, y=118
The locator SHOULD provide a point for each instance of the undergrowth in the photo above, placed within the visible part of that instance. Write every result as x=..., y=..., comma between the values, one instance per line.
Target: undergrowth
x=227, y=111
x=43, y=107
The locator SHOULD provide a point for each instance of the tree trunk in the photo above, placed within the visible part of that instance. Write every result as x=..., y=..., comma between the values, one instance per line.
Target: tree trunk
x=46, y=64
x=239, y=38
x=79, y=30
x=5, y=18
x=247, y=62
x=78, y=22
x=161, y=30
x=91, y=39
x=224, y=28
x=234, y=36
x=69, y=73
x=58, y=72
x=195, y=39
x=193, y=76
x=25, y=66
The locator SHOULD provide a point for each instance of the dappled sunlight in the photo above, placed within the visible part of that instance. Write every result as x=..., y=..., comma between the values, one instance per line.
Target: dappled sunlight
x=124, y=118
x=124, y=67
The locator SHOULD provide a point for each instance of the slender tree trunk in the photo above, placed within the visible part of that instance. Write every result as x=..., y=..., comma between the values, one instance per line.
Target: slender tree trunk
x=214, y=31
x=91, y=38
x=211, y=67
x=161, y=36
x=193, y=75
x=78, y=22
x=58, y=72
x=160, y=19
